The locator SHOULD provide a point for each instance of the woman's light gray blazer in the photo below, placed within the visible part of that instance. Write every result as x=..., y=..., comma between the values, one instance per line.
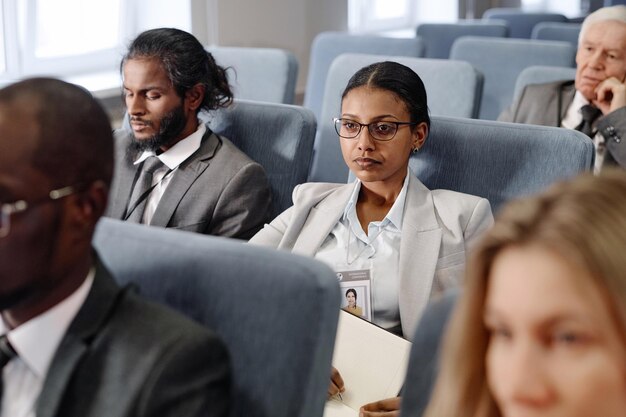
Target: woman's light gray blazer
x=437, y=228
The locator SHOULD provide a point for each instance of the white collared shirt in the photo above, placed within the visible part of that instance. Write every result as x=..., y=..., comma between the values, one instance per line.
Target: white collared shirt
x=573, y=118
x=171, y=158
x=36, y=342
x=378, y=250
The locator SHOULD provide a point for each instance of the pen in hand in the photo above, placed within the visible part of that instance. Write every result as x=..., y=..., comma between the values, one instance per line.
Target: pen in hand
x=336, y=385
x=337, y=396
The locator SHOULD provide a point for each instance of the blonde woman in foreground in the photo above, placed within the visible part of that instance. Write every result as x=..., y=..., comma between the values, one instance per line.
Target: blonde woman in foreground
x=541, y=327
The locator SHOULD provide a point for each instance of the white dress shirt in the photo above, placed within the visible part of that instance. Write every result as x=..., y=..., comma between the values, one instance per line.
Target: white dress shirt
x=573, y=117
x=36, y=342
x=171, y=159
x=347, y=245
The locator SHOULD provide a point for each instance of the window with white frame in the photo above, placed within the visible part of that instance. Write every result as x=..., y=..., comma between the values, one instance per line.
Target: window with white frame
x=77, y=39
x=375, y=15
x=567, y=7
x=396, y=15
x=2, y=37
x=60, y=37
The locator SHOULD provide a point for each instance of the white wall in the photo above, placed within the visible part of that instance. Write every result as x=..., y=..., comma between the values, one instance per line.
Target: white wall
x=286, y=24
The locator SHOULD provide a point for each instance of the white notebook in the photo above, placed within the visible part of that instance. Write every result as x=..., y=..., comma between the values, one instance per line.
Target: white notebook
x=371, y=361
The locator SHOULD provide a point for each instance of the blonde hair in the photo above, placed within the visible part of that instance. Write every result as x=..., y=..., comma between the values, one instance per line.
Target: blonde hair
x=584, y=221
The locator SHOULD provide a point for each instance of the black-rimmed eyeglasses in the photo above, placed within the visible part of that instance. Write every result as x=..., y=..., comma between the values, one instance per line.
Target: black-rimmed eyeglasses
x=8, y=209
x=381, y=131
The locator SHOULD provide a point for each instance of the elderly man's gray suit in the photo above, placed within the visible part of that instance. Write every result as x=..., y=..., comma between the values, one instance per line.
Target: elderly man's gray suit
x=546, y=104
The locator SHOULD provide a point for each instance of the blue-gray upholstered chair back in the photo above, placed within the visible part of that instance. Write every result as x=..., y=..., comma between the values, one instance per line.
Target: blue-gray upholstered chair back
x=439, y=37
x=280, y=137
x=261, y=74
x=538, y=74
x=454, y=89
x=499, y=161
x=328, y=45
x=521, y=23
x=425, y=353
x=276, y=312
x=557, y=31
x=501, y=60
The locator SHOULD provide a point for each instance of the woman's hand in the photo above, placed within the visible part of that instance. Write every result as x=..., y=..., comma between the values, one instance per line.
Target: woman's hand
x=389, y=407
x=336, y=383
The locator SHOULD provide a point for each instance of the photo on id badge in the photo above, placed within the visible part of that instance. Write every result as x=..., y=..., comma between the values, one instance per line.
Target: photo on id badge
x=355, y=291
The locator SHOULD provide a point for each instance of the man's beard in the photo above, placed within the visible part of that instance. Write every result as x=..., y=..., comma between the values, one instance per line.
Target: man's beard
x=172, y=124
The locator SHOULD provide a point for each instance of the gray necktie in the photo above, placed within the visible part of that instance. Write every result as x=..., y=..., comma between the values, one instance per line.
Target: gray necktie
x=590, y=114
x=6, y=354
x=142, y=190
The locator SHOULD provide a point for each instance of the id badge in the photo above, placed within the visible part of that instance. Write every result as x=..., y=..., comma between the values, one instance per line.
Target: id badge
x=356, y=295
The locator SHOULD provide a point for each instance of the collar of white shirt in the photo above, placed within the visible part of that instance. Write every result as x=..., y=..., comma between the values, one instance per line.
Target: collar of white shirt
x=573, y=116
x=37, y=340
x=178, y=153
x=572, y=119
x=394, y=216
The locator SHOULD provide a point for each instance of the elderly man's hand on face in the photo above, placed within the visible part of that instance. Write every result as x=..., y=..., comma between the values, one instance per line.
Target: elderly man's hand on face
x=601, y=64
x=610, y=95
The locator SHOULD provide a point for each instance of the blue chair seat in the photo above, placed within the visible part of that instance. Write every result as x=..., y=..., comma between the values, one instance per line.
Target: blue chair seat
x=276, y=312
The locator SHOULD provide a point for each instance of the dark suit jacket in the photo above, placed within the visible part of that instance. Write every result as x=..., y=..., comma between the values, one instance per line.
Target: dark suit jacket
x=123, y=356
x=546, y=105
x=218, y=190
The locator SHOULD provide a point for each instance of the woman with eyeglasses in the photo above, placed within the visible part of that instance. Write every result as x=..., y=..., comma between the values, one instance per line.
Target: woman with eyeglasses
x=387, y=229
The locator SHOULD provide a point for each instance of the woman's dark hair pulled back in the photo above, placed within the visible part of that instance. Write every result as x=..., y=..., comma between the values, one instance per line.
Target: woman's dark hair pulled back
x=398, y=79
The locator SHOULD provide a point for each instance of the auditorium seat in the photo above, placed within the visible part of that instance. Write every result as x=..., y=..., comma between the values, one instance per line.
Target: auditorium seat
x=521, y=23
x=538, y=74
x=280, y=137
x=425, y=353
x=439, y=37
x=498, y=161
x=328, y=45
x=501, y=60
x=557, y=31
x=261, y=74
x=276, y=312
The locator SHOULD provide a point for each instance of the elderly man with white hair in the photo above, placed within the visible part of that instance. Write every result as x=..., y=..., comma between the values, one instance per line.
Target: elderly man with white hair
x=595, y=102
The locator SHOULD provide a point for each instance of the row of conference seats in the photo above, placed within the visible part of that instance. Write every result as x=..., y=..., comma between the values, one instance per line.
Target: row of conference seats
x=499, y=60
x=455, y=89
x=434, y=41
x=486, y=158
x=277, y=312
x=478, y=81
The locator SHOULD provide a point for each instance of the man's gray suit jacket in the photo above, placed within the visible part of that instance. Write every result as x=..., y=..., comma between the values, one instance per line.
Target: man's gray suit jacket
x=123, y=356
x=546, y=105
x=218, y=190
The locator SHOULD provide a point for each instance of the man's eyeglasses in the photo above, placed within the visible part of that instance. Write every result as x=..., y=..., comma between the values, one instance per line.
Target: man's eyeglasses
x=381, y=131
x=7, y=209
